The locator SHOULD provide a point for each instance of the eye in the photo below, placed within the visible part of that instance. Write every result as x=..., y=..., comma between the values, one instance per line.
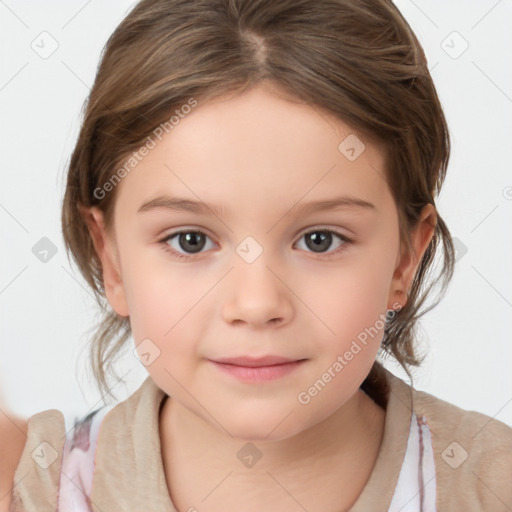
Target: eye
x=318, y=240
x=193, y=241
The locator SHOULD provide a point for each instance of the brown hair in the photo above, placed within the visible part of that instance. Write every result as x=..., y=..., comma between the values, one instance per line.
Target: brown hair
x=356, y=59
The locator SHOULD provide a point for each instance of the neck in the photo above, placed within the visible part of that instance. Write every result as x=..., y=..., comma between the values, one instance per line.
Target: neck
x=338, y=454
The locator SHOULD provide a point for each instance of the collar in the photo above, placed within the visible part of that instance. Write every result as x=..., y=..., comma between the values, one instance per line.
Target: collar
x=129, y=472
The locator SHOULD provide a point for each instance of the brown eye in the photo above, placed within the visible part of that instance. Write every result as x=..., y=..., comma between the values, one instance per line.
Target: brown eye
x=185, y=243
x=191, y=242
x=320, y=240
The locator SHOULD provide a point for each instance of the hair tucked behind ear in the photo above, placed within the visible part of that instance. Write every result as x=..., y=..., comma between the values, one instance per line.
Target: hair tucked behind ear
x=356, y=59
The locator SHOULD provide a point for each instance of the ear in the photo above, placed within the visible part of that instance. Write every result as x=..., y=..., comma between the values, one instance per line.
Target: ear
x=107, y=253
x=408, y=263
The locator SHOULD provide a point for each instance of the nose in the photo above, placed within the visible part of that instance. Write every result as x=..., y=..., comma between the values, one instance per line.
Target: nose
x=256, y=295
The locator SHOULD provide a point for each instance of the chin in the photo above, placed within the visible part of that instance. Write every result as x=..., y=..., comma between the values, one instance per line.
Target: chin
x=261, y=427
x=260, y=435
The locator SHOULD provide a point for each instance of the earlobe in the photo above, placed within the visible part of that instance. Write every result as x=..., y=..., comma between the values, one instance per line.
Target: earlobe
x=106, y=251
x=409, y=261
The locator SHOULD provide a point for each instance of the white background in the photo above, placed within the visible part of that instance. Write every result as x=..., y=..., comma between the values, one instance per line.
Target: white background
x=46, y=308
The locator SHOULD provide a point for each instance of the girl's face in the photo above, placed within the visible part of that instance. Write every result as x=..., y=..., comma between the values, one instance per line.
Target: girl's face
x=269, y=273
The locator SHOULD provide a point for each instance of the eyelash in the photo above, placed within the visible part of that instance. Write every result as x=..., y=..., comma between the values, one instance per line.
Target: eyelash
x=347, y=241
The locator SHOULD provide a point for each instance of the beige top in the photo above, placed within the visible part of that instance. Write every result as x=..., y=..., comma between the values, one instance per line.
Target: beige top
x=129, y=473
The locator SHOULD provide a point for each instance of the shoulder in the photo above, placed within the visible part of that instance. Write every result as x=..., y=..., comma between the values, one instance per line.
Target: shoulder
x=479, y=431
x=472, y=453
x=13, y=435
x=34, y=468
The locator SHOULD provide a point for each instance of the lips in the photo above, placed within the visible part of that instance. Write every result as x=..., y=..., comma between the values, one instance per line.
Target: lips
x=255, y=362
x=252, y=370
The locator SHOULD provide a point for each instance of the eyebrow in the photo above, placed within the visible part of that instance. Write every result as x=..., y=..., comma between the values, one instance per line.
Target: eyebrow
x=182, y=204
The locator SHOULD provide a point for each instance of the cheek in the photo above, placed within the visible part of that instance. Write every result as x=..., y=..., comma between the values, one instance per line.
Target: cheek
x=159, y=292
x=356, y=295
x=163, y=318
x=163, y=300
x=353, y=308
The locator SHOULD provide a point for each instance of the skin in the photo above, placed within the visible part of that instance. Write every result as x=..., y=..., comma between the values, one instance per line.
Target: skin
x=13, y=435
x=258, y=154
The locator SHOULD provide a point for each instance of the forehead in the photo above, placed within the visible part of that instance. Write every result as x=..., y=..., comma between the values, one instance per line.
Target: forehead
x=254, y=151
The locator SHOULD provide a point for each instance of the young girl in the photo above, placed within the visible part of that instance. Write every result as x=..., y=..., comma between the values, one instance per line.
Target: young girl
x=253, y=192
